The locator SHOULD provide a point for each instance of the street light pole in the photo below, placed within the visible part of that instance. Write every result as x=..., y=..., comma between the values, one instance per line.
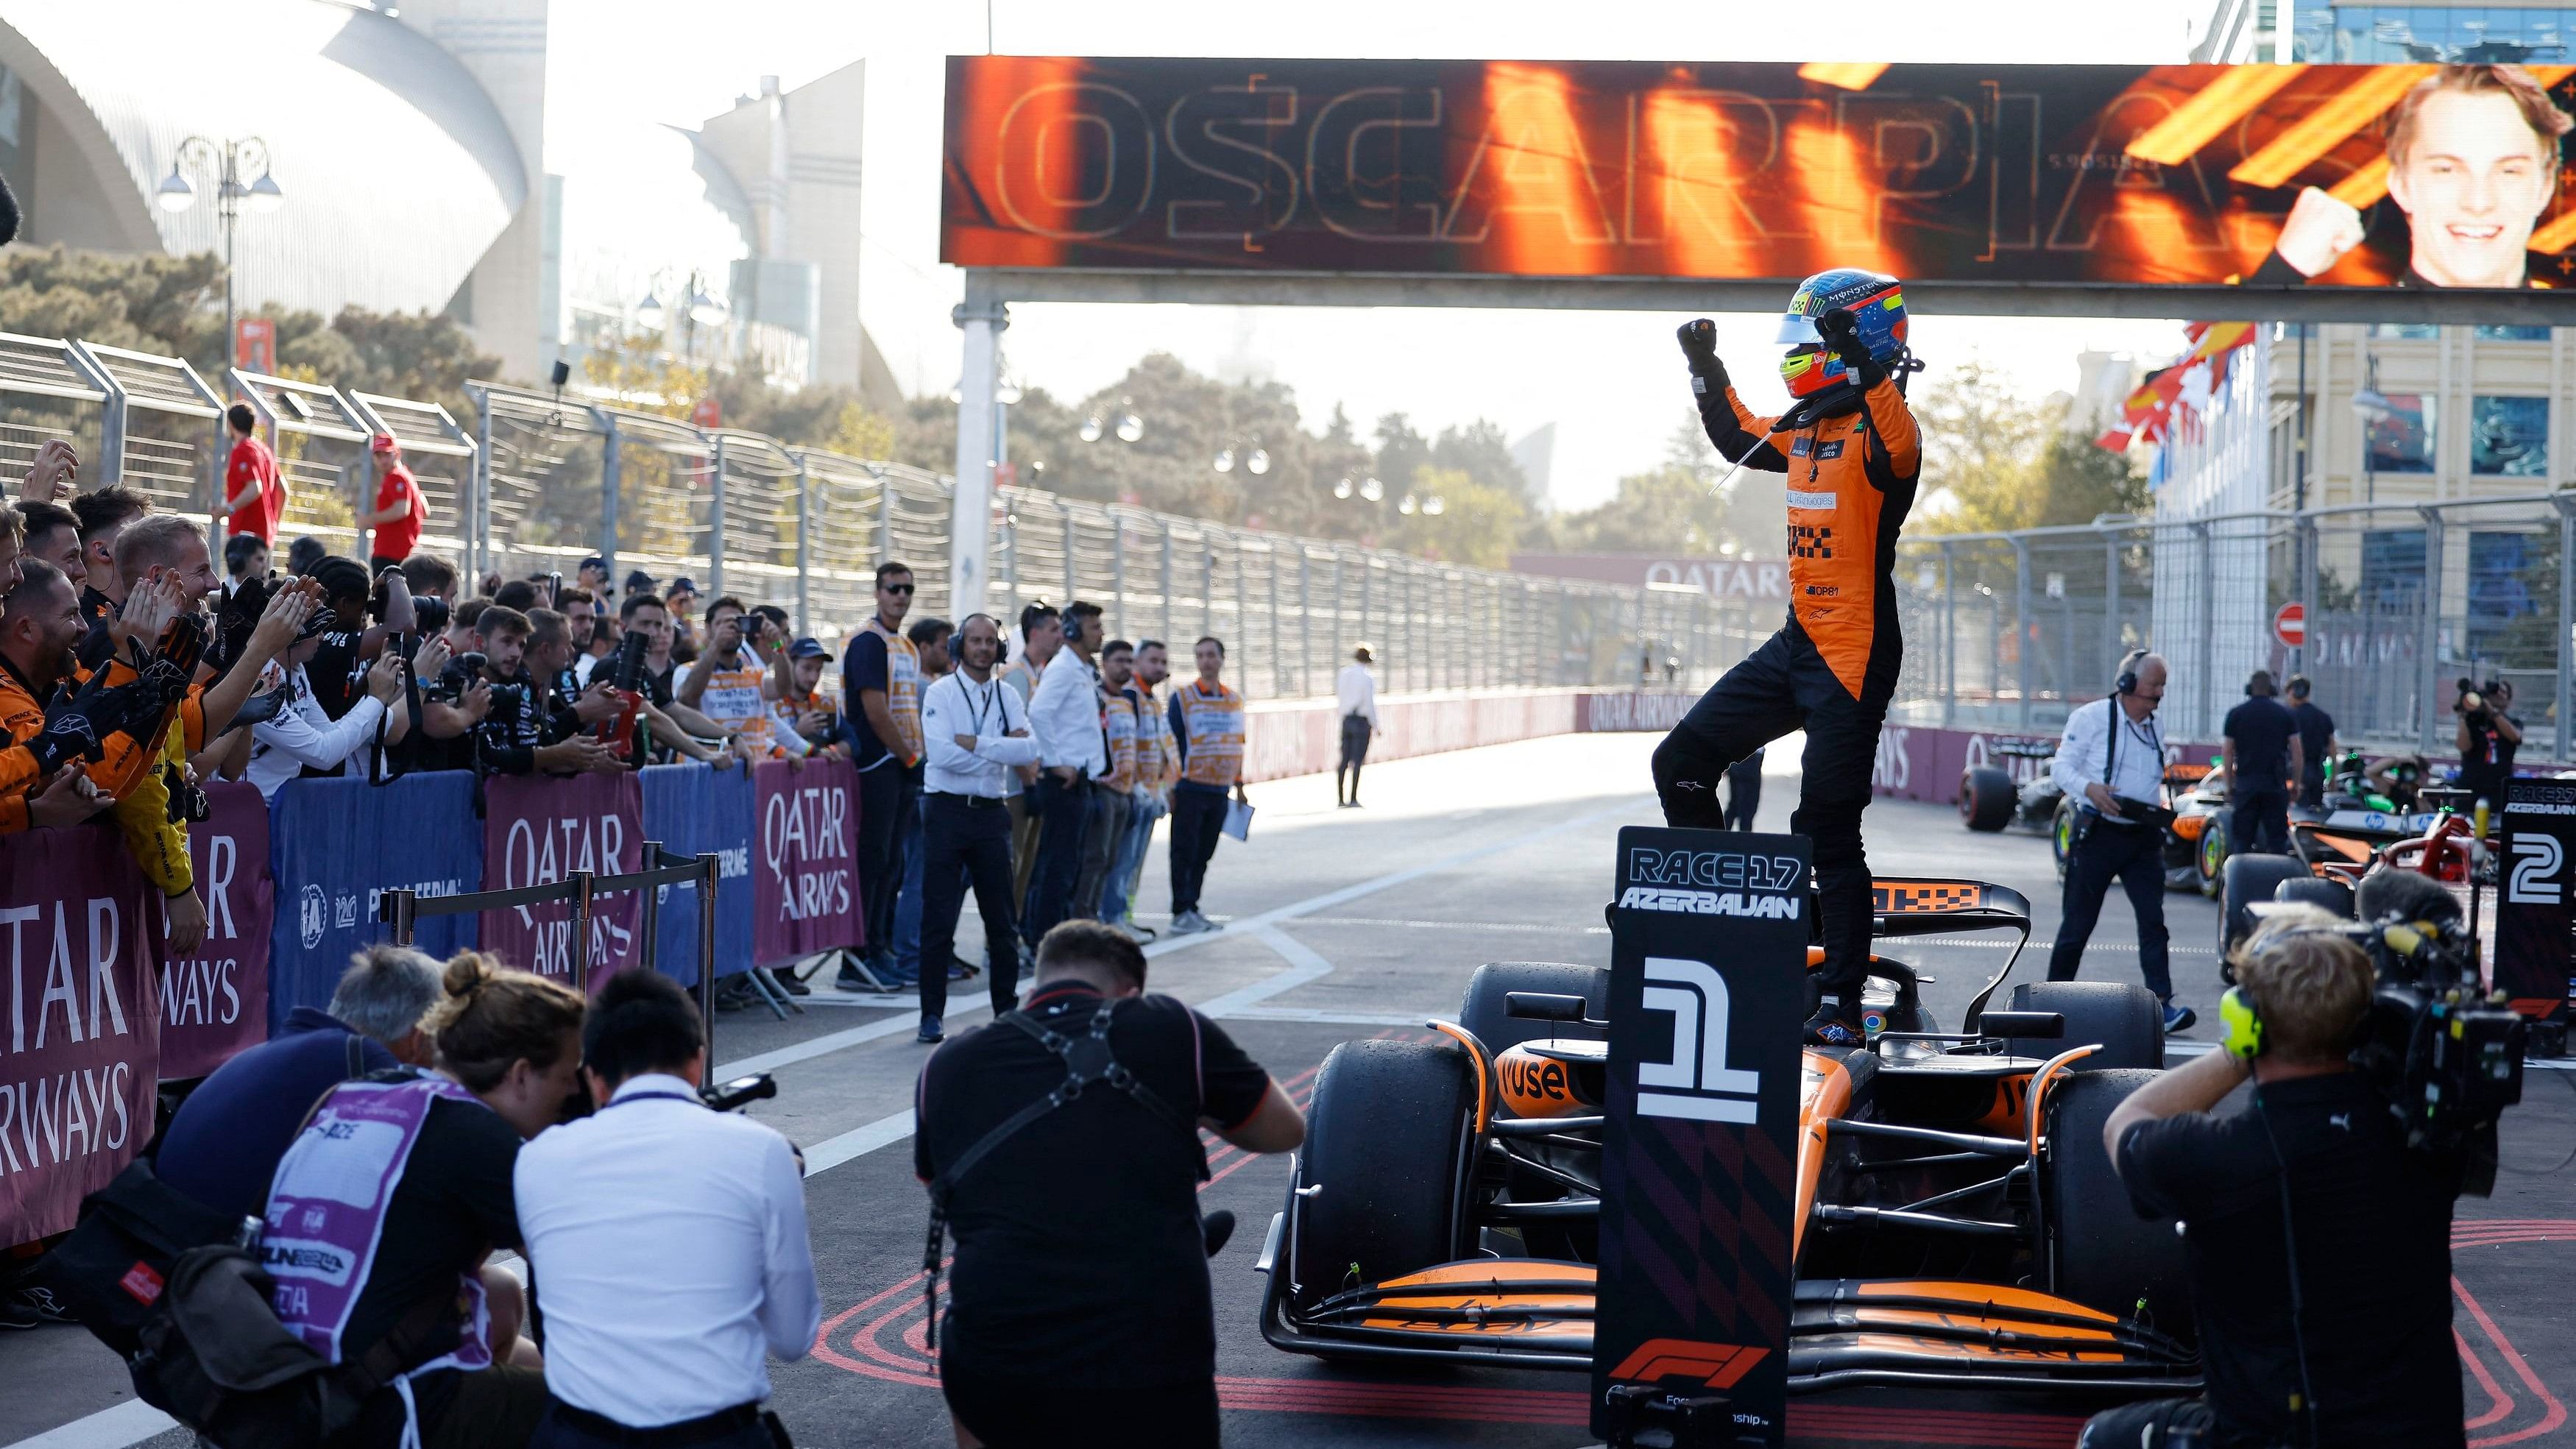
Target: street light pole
x=227, y=161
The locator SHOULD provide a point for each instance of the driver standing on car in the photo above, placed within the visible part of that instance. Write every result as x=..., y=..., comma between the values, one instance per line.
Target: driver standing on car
x=2317, y=1245
x=2111, y=763
x=1852, y=455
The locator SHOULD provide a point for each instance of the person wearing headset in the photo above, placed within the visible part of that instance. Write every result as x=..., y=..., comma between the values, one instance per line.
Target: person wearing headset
x=2111, y=763
x=2318, y=1246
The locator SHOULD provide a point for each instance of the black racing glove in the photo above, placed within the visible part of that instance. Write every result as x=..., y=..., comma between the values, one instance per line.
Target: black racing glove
x=67, y=736
x=1841, y=333
x=1699, y=346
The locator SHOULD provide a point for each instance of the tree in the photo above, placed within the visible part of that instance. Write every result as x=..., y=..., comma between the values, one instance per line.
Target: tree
x=2007, y=463
x=1678, y=508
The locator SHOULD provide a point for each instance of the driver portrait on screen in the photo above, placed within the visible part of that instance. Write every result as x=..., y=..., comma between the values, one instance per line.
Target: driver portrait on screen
x=2472, y=161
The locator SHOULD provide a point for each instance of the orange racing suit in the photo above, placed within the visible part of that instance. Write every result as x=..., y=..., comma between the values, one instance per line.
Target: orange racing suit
x=1831, y=668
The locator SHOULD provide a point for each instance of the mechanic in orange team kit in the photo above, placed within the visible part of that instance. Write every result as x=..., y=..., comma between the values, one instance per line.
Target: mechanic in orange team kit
x=1849, y=446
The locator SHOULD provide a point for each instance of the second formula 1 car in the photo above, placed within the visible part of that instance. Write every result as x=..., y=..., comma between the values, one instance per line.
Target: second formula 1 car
x=1956, y=1223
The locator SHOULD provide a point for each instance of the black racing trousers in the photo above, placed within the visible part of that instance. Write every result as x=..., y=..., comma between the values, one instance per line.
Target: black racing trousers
x=966, y=840
x=889, y=796
x=1783, y=686
x=2133, y=855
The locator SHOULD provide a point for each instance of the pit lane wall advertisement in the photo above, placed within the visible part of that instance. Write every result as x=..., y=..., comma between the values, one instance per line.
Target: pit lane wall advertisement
x=1698, y=1152
x=2271, y=176
x=82, y=934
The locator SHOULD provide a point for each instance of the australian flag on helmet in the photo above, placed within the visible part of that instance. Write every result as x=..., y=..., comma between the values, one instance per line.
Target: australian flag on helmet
x=1877, y=305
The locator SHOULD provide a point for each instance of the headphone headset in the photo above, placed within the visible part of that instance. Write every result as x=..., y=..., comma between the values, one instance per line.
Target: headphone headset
x=2127, y=683
x=1001, y=639
x=2241, y=1021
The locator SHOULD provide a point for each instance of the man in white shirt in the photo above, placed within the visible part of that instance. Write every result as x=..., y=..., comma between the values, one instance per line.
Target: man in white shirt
x=1041, y=638
x=1064, y=715
x=976, y=736
x=1356, y=691
x=666, y=1242
x=2111, y=763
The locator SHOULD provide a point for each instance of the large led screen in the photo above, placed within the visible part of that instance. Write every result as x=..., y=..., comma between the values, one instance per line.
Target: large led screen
x=2259, y=175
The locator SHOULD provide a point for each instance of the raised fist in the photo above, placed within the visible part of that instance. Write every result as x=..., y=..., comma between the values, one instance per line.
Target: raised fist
x=1699, y=347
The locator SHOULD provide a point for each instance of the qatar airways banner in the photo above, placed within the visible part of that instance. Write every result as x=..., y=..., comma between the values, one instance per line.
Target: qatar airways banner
x=215, y=1002
x=2274, y=176
x=80, y=931
x=538, y=830
x=804, y=859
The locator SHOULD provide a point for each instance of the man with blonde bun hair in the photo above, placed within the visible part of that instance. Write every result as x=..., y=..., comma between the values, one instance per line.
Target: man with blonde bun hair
x=2318, y=1245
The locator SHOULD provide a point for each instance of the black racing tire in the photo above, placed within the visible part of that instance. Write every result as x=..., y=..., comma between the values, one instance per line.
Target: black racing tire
x=2250, y=879
x=1484, y=1011
x=1386, y=1141
x=2061, y=835
x=2099, y=1252
x=2210, y=854
x=2126, y=1021
x=2331, y=896
x=1987, y=797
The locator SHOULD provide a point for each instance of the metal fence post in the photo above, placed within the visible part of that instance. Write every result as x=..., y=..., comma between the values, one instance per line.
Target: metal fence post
x=2022, y=640
x=1305, y=621
x=1118, y=570
x=581, y=905
x=716, y=524
x=804, y=546
x=2429, y=641
x=1169, y=642
x=2207, y=709
x=478, y=523
x=1949, y=637
x=1071, y=574
x=2302, y=656
x=885, y=519
x=2111, y=650
x=612, y=471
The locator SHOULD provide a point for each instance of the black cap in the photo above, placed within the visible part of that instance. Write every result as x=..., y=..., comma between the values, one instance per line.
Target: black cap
x=809, y=648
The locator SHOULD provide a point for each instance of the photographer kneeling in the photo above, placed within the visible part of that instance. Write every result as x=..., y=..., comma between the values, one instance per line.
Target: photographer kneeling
x=2319, y=1243
x=667, y=1242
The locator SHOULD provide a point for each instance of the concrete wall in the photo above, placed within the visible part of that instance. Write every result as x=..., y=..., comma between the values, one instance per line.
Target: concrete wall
x=1304, y=736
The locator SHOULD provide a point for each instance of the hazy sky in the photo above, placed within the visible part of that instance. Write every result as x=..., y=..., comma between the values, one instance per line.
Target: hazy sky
x=1610, y=381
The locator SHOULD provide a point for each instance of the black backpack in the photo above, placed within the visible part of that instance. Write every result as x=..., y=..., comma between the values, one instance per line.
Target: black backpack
x=175, y=1288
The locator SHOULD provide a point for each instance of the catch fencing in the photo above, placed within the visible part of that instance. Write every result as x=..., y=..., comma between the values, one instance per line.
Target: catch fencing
x=2008, y=631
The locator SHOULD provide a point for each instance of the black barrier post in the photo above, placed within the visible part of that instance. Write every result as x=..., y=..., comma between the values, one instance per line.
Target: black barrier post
x=710, y=872
x=1708, y=944
x=650, y=920
x=579, y=881
x=395, y=907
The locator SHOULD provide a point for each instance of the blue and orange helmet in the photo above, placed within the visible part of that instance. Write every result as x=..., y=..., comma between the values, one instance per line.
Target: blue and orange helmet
x=1875, y=301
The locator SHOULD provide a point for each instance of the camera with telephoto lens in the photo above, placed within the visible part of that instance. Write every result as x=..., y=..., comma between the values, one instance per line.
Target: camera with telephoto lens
x=627, y=670
x=430, y=615
x=2473, y=702
x=2445, y=1052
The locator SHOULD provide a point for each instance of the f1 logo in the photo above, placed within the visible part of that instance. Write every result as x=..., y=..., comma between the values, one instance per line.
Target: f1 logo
x=1706, y=1088
x=1718, y=1365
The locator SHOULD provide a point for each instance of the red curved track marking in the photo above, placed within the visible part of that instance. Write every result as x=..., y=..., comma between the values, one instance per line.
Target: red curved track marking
x=2499, y=1403
x=2553, y=1415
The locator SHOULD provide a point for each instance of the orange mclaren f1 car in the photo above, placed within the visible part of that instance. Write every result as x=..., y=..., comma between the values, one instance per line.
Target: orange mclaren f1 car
x=1955, y=1222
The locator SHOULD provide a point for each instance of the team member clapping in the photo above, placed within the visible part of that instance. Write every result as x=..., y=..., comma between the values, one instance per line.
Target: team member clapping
x=667, y=1242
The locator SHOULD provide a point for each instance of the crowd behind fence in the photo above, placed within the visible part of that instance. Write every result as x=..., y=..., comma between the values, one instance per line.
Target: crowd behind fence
x=538, y=481
x=2003, y=631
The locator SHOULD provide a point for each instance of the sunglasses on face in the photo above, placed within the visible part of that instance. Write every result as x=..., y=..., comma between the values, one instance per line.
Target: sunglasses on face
x=894, y=588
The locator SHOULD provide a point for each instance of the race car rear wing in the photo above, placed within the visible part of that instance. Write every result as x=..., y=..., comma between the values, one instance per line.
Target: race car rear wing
x=1944, y=905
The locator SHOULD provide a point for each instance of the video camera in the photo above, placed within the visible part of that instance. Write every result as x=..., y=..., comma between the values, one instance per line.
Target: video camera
x=2445, y=1053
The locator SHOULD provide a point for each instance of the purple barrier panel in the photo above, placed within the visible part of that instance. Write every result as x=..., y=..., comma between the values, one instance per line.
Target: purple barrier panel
x=82, y=931
x=537, y=830
x=804, y=859
x=215, y=1002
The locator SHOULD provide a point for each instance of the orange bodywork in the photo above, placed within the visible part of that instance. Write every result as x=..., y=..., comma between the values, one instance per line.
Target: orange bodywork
x=1451, y=1288
x=1536, y=1086
x=1824, y=1094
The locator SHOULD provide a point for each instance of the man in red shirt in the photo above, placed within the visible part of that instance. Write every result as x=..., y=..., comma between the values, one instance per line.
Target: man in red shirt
x=254, y=495
x=396, y=519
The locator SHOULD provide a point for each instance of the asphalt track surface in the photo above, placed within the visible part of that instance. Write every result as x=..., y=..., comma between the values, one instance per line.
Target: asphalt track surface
x=1344, y=924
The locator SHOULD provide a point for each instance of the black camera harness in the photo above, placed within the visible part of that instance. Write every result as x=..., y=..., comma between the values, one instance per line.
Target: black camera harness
x=1088, y=1062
